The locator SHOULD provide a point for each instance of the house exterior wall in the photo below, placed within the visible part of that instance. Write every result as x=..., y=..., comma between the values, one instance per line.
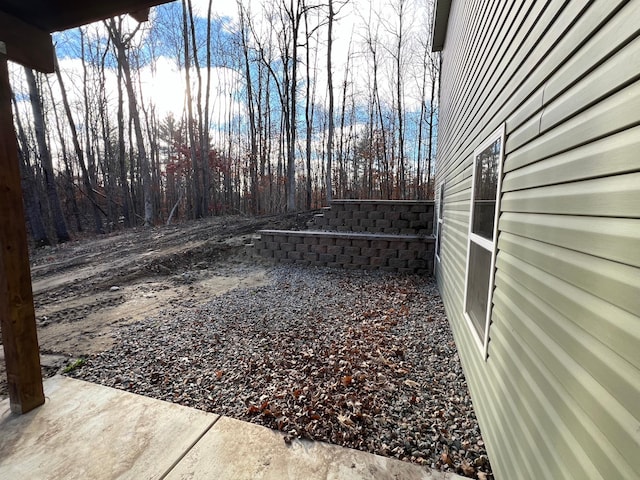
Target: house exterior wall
x=558, y=393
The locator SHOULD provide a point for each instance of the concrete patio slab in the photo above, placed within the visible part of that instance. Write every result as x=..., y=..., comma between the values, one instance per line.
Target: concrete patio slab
x=243, y=451
x=87, y=431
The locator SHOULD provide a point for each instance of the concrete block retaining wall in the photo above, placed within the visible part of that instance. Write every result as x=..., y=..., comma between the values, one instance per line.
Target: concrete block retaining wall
x=404, y=217
x=395, y=253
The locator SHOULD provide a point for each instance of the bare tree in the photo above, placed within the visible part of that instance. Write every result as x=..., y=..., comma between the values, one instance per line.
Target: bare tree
x=70, y=194
x=309, y=101
x=378, y=133
x=253, y=141
x=89, y=129
x=59, y=223
x=205, y=143
x=187, y=18
x=401, y=11
x=122, y=152
x=398, y=30
x=434, y=72
x=79, y=153
x=29, y=185
x=121, y=43
x=329, y=181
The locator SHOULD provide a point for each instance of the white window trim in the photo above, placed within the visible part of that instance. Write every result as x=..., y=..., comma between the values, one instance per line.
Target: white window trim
x=492, y=246
x=439, y=220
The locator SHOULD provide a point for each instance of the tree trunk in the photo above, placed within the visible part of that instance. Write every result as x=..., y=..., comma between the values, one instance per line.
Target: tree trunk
x=59, y=222
x=253, y=154
x=434, y=78
x=398, y=58
x=122, y=168
x=342, y=180
x=206, y=171
x=79, y=153
x=69, y=184
x=121, y=45
x=197, y=196
x=108, y=162
x=423, y=88
x=309, y=109
x=88, y=149
x=329, y=180
x=291, y=153
x=29, y=188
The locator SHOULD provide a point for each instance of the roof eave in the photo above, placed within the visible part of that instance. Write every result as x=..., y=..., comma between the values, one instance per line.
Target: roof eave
x=440, y=22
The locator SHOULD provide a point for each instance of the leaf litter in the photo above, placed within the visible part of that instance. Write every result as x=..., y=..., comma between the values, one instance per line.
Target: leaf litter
x=360, y=359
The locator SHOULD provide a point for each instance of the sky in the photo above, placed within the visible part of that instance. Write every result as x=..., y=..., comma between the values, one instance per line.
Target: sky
x=164, y=81
x=349, y=29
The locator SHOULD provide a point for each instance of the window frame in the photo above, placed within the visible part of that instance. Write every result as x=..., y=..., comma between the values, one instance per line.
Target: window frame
x=489, y=245
x=439, y=221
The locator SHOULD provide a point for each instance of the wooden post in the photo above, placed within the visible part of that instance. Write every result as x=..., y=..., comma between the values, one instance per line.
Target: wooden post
x=17, y=314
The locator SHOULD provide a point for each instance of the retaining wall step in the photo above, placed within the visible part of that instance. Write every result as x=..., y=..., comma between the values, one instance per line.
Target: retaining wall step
x=369, y=251
x=395, y=217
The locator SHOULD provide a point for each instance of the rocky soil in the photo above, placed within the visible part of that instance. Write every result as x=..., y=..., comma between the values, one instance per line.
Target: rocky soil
x=85, y=290
x=360, y=359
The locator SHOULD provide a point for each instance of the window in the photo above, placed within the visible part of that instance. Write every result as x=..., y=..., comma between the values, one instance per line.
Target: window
x=482, y=239
x=439, y=220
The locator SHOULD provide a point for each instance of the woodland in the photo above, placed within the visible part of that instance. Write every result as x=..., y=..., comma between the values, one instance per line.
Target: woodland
x=270, y=106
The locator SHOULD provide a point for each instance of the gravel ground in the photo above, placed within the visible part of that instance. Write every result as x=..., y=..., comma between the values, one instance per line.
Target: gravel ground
x=363, y=360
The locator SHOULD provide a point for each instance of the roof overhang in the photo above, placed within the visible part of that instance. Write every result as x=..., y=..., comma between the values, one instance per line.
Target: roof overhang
x=440, y=22
x=26, y=25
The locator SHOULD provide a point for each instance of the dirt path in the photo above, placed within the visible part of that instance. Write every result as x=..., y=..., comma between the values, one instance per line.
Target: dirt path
x=84, y=290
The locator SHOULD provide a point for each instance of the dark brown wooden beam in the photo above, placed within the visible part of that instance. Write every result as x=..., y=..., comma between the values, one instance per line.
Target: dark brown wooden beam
x=141, y=15
x=55, y=15
x=25, y=44
x=17, y=315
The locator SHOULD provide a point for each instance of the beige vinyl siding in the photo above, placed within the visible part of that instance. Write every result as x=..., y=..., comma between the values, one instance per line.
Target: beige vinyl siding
x=580, y=163
x=496, y=88
x=518, y=68
x=608, y=197
x=609, y=238
x=614, y=34
x=559, y=395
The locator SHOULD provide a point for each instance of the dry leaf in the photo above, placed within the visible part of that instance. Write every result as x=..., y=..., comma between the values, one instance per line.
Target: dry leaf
x=467, y=469
x=345, y=421
x=411, y=383
x=252, y=410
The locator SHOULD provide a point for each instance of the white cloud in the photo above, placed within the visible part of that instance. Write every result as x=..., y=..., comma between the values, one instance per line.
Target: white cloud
x=165, y=86
x=222, y=8
x=162, y=84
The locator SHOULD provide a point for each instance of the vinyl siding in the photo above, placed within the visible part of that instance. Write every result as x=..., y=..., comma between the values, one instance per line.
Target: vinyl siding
x=559, y=394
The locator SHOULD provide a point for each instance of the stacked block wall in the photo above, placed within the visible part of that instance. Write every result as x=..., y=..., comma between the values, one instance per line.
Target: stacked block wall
x=404, y=217
x=395, y=253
